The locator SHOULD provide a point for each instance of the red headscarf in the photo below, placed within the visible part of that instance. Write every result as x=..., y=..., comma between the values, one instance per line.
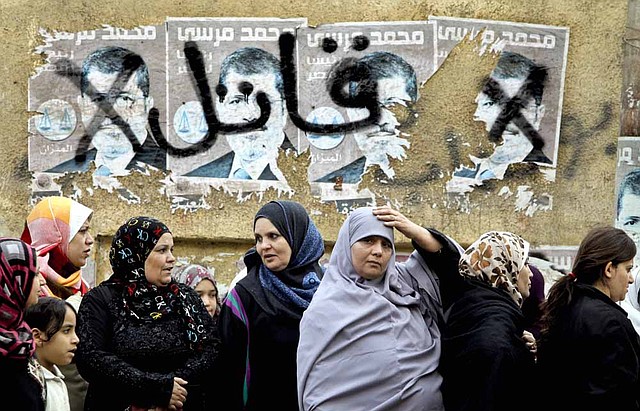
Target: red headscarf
x=17, y=277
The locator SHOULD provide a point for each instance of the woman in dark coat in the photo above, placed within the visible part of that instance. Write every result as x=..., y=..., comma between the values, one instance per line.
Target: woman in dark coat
x=487, y=361
x=145, y=340
x=589, y=351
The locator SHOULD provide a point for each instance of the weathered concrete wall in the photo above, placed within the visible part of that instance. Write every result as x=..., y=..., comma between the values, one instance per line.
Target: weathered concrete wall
x=582, y=193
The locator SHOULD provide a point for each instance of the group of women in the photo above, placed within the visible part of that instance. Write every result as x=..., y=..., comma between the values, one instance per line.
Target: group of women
x=443, y=329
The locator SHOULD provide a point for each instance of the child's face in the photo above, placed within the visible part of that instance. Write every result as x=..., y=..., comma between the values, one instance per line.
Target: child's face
x=61, y=347
x=207, y=291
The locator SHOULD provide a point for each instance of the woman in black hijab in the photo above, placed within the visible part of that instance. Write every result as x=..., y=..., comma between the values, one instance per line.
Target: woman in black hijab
x=145, y=340
x=260, y=317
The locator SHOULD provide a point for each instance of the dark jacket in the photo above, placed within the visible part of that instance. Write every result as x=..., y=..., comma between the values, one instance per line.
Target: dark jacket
x=271, y=334
x=485, y=363
x=589, y=361
x=20, y=389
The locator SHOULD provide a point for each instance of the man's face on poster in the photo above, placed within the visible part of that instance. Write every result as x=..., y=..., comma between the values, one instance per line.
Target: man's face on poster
x=129, y=103
x=629, y=216
x=515, y=145
x=382, y=139
x=488, y=109
x=257, y=146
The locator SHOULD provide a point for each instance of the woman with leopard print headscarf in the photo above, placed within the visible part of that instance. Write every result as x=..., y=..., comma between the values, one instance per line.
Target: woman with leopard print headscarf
x=487, y=358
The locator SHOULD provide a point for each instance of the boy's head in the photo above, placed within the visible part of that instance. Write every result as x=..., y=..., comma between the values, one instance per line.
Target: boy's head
x=53, y=322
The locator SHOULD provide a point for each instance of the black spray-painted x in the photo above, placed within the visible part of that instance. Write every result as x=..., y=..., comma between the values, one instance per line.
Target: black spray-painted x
x=512, y=110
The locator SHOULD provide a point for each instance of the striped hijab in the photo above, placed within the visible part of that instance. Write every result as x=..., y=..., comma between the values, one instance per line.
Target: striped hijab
x=17, y=276
x=49, y=228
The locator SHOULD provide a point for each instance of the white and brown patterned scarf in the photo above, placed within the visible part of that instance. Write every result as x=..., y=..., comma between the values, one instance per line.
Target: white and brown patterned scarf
x=496, y=258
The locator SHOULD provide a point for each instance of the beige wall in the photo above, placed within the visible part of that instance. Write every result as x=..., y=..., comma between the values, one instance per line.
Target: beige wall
x=582, y=194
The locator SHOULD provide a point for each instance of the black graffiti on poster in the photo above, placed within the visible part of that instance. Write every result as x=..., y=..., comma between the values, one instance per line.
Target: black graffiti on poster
x=344, y=73
x=197, y=67
x=65, y=67
x=131, y=64
x=350, y=85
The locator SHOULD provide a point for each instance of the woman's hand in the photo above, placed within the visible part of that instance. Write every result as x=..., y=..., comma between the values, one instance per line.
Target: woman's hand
x=394, y=218
x=178, y=395
x=530, y=341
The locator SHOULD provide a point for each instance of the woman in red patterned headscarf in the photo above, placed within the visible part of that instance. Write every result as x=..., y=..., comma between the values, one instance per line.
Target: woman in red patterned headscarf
x=19, y=284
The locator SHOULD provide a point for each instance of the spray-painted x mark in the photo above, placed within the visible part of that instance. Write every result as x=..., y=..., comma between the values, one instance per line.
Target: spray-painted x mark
x=511, y=110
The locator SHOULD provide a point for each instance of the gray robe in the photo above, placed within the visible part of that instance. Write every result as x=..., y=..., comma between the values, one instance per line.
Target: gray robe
x=371, y=345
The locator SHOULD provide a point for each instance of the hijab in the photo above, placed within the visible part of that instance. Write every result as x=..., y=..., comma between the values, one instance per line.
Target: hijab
x=49, y=228
x=496, y=258
x=192, y=275
x=360, y=224
x=17, y=277
x=140, y=300
x=393, y=345
x=294, y=286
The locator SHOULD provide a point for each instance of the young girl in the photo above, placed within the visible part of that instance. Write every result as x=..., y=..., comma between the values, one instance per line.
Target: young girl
x=58, y=228
x=53, y=323
x=201, y=279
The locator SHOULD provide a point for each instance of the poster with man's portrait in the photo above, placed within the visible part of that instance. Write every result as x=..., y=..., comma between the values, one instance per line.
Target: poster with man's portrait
x=339, y=61
x=627, y=192
x=520, y=103
x=240, y=58
x=93, y=98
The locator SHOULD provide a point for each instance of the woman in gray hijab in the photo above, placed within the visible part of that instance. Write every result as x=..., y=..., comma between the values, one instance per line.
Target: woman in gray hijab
x=369, y=340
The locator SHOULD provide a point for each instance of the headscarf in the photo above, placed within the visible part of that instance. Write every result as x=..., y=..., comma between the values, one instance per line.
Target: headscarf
x=496, y=258
x=531, y=306
x=142, y=301
x=631, y=302
x=17, y=277
x=49, y=228
x=295, y=285
x=392, y=347
x=362, y=223
x=192, y=275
